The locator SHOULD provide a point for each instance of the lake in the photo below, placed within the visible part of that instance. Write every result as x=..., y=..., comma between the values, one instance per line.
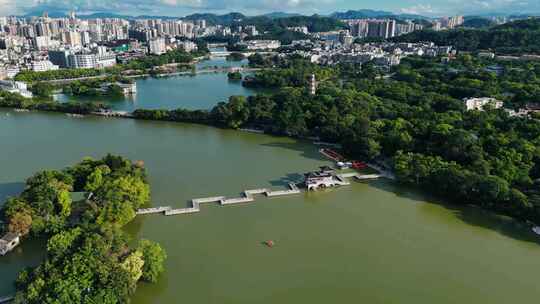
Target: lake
x=202, y=91
x=372, y=242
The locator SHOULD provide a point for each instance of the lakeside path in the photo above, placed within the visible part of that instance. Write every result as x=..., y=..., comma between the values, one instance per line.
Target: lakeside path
x=186, y=73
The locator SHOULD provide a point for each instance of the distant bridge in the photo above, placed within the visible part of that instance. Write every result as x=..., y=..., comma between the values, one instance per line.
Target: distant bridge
x=246, y=54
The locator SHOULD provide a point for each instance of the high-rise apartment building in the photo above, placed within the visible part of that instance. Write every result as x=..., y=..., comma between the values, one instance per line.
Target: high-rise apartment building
x=72, y=39
x=157, y=46
x=373, y=28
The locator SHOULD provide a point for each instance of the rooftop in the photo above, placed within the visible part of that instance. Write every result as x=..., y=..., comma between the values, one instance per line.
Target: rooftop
x=9, y=237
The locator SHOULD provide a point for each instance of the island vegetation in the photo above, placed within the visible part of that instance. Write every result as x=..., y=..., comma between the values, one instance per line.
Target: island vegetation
x=89, y=258
x=46, y=103
x=234, y=76
x=108, y=86
x=236, y=56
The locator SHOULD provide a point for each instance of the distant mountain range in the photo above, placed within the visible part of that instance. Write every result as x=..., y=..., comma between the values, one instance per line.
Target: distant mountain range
x=363, y=13
x=228, y=18
x=231, y=17
x=278, y=15
x=366, y=13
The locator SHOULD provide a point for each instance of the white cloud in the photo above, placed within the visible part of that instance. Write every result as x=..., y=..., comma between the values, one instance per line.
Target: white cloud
x=8, y=7
x=190, y=3
x=419, y=9
x=469, y=7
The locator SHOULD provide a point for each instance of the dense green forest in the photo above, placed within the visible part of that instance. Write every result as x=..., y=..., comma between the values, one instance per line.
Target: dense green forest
x=478, y=22
x=89, y=258
x=292, y=71
x=518, y=37
x=313, y=23
x=277, y=28
x=414, y=122
x=213, y=19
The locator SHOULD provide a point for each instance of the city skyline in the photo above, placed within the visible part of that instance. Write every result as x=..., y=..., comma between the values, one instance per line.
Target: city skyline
x=251, y=7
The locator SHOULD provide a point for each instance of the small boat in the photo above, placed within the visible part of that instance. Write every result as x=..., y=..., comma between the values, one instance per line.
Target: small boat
x=269, y=243
x=344, y=165
x=358, y=165
x=536, y=230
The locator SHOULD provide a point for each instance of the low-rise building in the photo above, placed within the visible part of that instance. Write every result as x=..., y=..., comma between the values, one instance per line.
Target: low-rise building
x=157, y=46
x=12, y=71
x=299, y=29
x=324, y=178
x=126, y=88
x=262, y=44
x=188, y=46
x=480, y=103
x=8, y=242
x=17, y=87
x=43, y=66
x=91, y=61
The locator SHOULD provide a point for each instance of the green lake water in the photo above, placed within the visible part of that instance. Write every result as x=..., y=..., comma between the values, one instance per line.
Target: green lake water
x=172, y=92
x=367, y=243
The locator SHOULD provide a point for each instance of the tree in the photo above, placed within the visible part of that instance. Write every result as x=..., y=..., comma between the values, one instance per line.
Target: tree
x=491, y=189
x=236, y=56
x=60, y=243
x=154, y=257
x=234, y=76
x=125, y=189
x=20, y=223
x=115, y=212
x=95, y=179
x=133, y=264
x=42, y=89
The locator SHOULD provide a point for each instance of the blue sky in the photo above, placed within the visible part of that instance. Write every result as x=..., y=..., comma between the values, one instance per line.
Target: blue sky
x=251, y=7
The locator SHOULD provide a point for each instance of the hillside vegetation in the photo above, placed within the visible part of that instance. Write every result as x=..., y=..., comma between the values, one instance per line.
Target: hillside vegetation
x=517, y=37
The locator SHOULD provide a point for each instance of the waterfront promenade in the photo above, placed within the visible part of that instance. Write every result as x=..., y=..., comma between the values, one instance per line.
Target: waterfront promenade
x=181, y=73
